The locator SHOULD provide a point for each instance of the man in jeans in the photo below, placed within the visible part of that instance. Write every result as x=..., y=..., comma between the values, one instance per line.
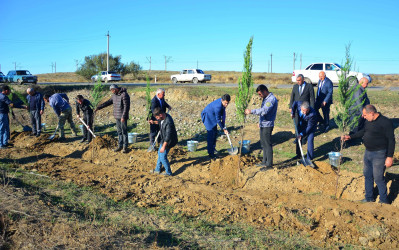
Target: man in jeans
x=121, y=102
x=36, y=109
x=379, y=140
x=5, y=103
x=168, y=140
x=60, y=104
x=267, y=114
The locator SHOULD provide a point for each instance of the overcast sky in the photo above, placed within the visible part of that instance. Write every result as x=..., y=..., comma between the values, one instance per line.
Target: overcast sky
x=214, y=34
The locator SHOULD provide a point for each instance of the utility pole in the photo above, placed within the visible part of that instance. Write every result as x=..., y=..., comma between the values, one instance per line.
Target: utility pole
x=271, y=63
x=15, y=65
x=294, y=62
x=77, y=64
x=52, y=67
x=300, y=64
x=55, y=67
x=108, y=51
x=149, y=60
x=167, y=59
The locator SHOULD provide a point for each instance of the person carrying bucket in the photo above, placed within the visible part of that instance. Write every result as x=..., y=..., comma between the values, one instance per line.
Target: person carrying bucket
x=86, y=107
x=212, y=115
x=267, y=114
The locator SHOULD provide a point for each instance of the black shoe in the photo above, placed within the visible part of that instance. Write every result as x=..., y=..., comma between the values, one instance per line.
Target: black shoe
x=326, y=129
x=61, y=139
x=83, y=140
x=125, y=150
x=365, y=201
x=32, y=134
x=164, y=173
x=384, y=202
x=262, y=165
x=265, y=169
x=117, y=149
x=38, y=135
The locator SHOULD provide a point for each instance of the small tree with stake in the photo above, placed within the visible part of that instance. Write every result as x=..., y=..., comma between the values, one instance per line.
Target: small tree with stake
x=344, y=117
x=98, y=92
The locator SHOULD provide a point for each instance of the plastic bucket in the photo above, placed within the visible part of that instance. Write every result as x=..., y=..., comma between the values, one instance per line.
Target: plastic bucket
x=81, y=127
x=192, y=146
x=44, y=126
x=132, y=137
x=245, y=146
x=334, y=158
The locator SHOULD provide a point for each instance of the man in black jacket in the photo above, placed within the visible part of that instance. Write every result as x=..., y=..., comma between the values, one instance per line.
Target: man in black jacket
x=168, y=140
x=121, y=101
x=379, y=140
x=85, y=106
x=157, y=102
x=36, y=108
x=301, y=92
x=360, y=100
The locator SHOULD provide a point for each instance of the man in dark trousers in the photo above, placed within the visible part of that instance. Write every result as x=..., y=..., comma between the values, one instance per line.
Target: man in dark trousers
x=267, y=115
x=5, y=103
x=307, y=125
x=168, y=140
x=379, y=140
x=60, y=104
x=157, y=102
x=360, y=100
x=212, y=115
x=36, y=108
x=301, y=92
x=324, y=98
x=121, y=101
x=86, y=107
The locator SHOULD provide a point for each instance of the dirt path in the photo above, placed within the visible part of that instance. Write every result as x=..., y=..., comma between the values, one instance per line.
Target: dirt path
x=293, y=198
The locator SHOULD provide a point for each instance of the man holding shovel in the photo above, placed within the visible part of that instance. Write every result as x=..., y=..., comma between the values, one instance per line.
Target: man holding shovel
x=121, y=102
x=212, y=115
x=307, y=124
x=85, y=106
x=267, y=115
x=35, y=108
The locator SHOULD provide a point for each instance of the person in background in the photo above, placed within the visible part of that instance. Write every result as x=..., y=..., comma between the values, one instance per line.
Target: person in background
x=86, y=107
x=360, y=100
x=324, y=98
x=35, y=108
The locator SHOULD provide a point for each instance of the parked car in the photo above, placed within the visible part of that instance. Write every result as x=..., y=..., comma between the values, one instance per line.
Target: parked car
x=191, y=75
x=107, y=76
x=332, y=70
x=21, y=76
x=3, y=78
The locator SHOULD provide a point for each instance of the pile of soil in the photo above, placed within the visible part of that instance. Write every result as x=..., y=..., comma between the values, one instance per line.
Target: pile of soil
x=33, y=143
x=105, y=141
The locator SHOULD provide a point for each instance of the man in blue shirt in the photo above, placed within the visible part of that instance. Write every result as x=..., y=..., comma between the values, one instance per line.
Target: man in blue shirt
x=267, y=115
x=61, y=107
x=5, y=103
x=212, y=115
x=36, y=109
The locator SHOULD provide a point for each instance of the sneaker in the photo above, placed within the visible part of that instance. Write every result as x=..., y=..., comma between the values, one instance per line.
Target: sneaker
x=365, y=201
x=384, y=202
x=265, y=169
x=153, y=171
x=38, y=135
x=165, y=174
x=125, y=150
x=260, y=165
x=83, y=140
x=117, y=149
x=215, y=152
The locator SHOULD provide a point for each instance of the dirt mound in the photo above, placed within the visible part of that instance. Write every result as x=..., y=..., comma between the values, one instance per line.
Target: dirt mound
x=24, y=139
x=176, y=152
x=105, y=141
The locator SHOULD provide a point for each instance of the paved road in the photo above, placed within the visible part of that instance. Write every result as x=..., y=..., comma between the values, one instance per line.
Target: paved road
x=281, y=86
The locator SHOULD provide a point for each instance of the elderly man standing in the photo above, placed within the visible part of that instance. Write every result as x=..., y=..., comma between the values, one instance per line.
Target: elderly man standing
x=121, y=102
x=324, y=100
x=212, y=115
x=306, y=127
x=301, y=92
x=157, y=102
x=379, y=140
x=60, y=104
x=267, y=115
x=36, y=109
x=360, y=100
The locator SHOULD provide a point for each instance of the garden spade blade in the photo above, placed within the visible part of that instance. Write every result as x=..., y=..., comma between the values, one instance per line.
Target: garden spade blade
x=305, y=161
x=232, y=150
x=53, y=135
x=24, y=128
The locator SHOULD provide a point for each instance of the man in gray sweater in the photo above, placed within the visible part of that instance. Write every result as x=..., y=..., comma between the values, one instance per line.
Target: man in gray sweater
x=121, y=101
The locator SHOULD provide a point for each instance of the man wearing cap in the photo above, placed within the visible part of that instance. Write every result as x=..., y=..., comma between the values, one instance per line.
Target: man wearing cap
x=212, y=115
x=60, y=104
x=267, y=115
x=324, y=100
x=157, y=102
x=360, y=100
x=36, y=108
x=86, y=107
x=121, y=101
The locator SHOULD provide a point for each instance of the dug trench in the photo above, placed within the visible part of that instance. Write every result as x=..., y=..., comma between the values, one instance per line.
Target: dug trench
x=296, y=199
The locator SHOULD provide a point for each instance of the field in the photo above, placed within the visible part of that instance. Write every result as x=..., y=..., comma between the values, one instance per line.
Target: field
x=72, y=195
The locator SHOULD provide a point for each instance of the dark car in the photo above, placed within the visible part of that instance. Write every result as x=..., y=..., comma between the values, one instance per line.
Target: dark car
x=3, y=78
x=21, y=76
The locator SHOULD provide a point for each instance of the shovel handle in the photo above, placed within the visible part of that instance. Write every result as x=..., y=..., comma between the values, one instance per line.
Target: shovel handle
x=87, y=127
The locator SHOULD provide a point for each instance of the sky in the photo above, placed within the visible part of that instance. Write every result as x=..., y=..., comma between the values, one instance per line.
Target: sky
x=211, y=34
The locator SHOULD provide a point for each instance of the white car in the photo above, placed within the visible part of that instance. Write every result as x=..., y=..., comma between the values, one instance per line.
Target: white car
x=332, y=70
x=107, y=76
x=191, y=75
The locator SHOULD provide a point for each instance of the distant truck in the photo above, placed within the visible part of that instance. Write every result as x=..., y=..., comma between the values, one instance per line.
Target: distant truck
x=21, y=76
x=332, y=70
x=191, y=75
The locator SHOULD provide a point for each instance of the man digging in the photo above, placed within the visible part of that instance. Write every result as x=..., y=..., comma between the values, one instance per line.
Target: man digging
x=85, y=106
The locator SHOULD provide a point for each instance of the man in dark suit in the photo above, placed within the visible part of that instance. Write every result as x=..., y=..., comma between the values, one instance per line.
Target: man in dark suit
x=157, y=102
x=306, y=128
x=324, y=100
x=301, y=92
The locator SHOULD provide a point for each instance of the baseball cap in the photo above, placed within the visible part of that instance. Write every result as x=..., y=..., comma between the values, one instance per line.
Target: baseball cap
x=113, y=86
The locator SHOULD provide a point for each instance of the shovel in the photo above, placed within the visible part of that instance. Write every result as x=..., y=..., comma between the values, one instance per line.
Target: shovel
x=24, y=128
x=52, y=136
x=87, y=127
x=232, y=150
x=152, y=147
x=304, y=160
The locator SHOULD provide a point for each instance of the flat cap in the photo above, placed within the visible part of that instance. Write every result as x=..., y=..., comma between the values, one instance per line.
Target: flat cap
x=113, y=86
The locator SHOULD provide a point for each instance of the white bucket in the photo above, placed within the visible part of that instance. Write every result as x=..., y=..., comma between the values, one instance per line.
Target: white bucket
x=245, y=146
x=192, y=146
x=44, y=126
x=334, y=158
x=132, y=137
x=81, y=127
